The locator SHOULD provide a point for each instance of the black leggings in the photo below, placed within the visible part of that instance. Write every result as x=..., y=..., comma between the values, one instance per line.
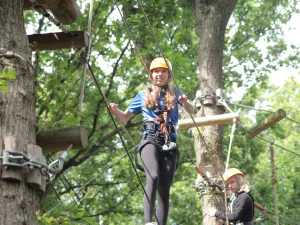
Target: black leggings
x=159, y=169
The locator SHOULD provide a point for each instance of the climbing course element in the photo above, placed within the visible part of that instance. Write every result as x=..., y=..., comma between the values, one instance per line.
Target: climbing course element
x=208, y=120
x=266, y=123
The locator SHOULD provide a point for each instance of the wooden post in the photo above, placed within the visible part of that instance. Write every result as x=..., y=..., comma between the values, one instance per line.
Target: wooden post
x=208, y=96
x=57, y=140
x=208, y=120
x=11, y=173
x=34, y=177
x=266, y=123
x=42, y=188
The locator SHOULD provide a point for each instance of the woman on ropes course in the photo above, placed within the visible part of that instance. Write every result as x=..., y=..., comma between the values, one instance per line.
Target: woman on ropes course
x=157, y=148
x=241, y=207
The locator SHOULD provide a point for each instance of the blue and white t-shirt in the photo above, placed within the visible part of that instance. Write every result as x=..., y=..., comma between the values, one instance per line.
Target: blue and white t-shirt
x=138, y=105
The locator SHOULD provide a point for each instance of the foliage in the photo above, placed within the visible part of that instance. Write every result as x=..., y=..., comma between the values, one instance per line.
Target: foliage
x=99, y=185
x=6, y=74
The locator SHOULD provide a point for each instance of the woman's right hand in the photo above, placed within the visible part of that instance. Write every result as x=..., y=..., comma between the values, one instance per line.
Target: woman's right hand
x=112, y=107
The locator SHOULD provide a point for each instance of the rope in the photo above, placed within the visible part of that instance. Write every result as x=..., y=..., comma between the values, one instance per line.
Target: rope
x=230, y=142
x=274, y=180
x=121, y=138
x=176, y=84
x=232, y=131
x=86, y=60
x=131, y=37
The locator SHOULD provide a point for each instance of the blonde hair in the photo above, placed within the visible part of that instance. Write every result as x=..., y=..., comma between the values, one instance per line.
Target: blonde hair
x=152, y=93
x=241, y=181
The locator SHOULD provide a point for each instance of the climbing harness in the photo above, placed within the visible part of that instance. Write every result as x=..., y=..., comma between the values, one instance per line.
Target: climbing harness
x=155, y=130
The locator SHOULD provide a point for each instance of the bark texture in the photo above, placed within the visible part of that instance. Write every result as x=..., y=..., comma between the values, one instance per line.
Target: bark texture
x=211, y=17
x=17, y=112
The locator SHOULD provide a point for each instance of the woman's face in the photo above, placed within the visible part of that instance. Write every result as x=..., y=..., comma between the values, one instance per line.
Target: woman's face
x=234, y=184
x=160, y=76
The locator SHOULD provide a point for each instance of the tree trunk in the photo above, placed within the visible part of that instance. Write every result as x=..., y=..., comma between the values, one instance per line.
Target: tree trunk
x=17, y=112
x=211, y=21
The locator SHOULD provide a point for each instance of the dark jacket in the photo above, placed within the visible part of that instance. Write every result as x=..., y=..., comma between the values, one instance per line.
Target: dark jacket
x=242, y=209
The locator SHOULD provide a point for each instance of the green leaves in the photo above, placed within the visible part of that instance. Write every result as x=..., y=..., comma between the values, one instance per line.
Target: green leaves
x=6, y=74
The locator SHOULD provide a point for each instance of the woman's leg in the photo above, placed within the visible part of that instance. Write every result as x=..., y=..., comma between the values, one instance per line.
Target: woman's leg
x=149, y=158
x=167, y=167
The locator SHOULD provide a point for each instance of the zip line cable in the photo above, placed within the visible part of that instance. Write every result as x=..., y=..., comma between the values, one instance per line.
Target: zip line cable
x=98, y=174
x=248, y=107
x=254, y=108
x=102, y=172
x=292, y=120
x=105, y=169
x=121, y=138
x=56, y=194
x=284, y=218
x=59, y=177
x=259, y=137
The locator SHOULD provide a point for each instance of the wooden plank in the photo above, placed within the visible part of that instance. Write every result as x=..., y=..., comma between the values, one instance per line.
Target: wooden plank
x=60, y=139
x=59, y=40
x=42, y=188
x=34, y=177
x=208, y=120
x=266, y=123
x=11, y=173
x=65, y=11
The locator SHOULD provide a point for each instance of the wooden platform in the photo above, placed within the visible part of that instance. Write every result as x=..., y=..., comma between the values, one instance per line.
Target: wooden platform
x=60, y=40
x=65, y=11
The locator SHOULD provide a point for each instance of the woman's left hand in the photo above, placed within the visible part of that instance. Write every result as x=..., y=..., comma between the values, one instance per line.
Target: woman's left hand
x=183, y=99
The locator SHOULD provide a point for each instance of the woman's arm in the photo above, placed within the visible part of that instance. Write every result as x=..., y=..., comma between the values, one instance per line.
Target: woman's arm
x=123, y=116
x=187, y=104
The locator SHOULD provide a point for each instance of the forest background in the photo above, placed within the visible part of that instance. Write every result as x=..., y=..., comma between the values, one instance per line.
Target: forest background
x=98, y=184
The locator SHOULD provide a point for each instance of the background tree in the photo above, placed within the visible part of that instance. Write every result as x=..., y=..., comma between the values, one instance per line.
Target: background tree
x=211, y=22
x=17, y=112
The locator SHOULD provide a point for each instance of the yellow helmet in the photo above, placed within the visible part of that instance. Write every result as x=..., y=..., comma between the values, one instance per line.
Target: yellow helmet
x=231, y=172
x=160, y=63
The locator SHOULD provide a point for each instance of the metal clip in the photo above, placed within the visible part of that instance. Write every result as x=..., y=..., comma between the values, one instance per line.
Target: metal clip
x=59, y=163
